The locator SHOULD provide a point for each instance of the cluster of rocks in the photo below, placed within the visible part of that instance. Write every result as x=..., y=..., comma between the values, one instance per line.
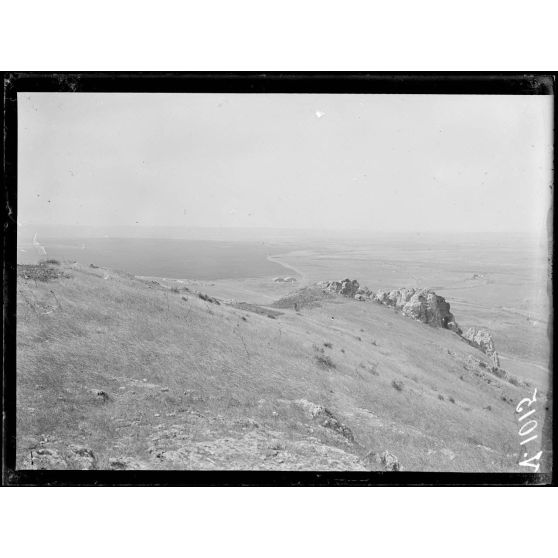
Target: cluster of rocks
x=482, y=339
x=284, y=280
x=325, y=418
x=422, y=305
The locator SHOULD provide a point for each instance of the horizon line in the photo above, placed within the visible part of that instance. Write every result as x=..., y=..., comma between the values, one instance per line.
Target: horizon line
x=289, y=229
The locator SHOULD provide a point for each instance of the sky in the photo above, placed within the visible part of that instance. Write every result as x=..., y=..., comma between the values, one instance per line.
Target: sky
x=390, y=163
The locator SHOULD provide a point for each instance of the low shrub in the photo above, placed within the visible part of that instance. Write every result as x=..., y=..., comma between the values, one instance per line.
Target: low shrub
x=324, y=361
x=208, y=298
x=397, y=384
x=41, y=272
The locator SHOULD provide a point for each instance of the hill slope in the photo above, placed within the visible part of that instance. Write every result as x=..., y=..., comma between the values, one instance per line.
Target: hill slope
x=118, y=372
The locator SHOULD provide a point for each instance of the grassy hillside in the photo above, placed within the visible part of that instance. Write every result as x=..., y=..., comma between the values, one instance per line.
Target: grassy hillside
x=118, y=372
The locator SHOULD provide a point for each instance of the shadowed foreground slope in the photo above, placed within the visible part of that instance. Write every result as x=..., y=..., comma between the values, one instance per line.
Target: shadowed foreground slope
x=116, y=372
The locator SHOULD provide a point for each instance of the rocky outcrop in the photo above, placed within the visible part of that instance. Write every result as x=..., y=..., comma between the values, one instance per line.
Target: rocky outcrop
x=346, y=287
x=480, y=338
x=422, y=305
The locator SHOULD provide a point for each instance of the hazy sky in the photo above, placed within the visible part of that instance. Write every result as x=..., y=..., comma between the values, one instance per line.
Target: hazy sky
x=415, y=163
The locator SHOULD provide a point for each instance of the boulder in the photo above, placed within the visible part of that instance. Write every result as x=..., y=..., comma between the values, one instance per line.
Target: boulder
x=124, y=463
x=387, y=459
x=390, y=461
x=430, y=308
x=82, y=457
x=100, y=394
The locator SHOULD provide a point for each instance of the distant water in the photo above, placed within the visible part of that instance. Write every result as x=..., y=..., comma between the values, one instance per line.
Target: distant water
x=179, y=259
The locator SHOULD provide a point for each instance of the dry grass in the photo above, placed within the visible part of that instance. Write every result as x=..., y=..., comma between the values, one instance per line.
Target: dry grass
x=307, y=297
x=218, y=390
